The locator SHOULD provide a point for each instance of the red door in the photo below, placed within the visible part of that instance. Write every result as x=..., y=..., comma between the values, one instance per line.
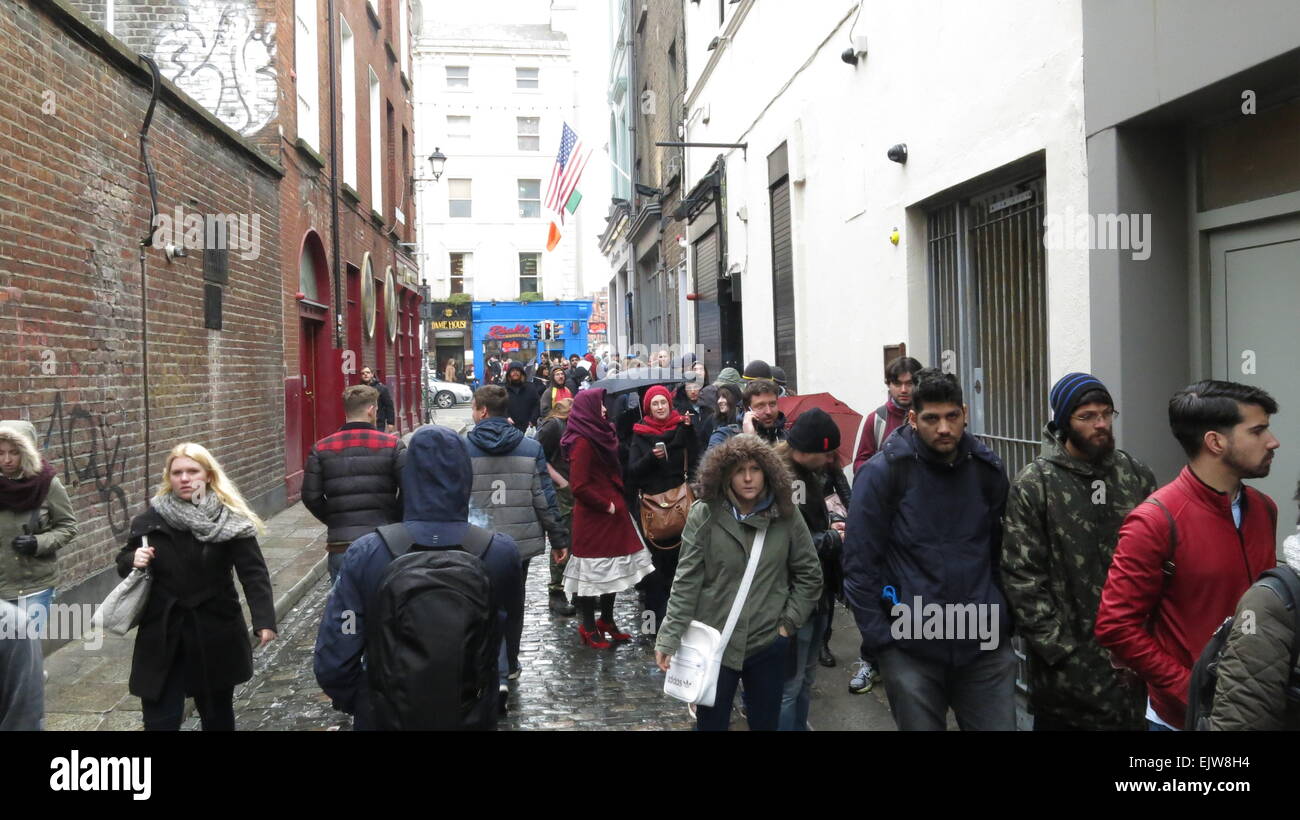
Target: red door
x=308, y=357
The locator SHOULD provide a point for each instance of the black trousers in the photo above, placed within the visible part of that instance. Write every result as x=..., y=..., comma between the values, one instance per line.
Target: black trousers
x=216, y=707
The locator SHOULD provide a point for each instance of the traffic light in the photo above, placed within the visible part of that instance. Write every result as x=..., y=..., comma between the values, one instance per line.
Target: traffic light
x=539, y=331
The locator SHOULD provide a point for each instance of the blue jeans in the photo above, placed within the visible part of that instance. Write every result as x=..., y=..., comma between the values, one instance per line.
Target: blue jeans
x=1152, y=726
x=797, y=697
x=764, y=675
x=37, y=608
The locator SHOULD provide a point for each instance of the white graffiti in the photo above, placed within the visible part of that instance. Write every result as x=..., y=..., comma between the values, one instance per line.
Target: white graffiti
x=224, y=59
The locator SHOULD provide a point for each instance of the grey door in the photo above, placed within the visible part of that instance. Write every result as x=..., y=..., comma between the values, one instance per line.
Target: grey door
x=1255, y=291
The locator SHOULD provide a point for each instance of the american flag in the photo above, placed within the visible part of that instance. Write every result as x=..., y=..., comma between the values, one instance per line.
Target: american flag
x=568, y=168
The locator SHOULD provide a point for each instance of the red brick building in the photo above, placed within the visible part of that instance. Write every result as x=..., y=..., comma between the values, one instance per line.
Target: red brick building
x=75, y=207
x=329, y=101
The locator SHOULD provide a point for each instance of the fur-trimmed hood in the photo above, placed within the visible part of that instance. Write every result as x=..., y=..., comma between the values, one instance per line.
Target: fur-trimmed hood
x=721, y=460
x=23, y=435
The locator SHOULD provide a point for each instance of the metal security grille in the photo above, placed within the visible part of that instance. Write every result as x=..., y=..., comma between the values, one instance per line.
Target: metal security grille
x=989, y=313
x=708, y=319
x=783, y=282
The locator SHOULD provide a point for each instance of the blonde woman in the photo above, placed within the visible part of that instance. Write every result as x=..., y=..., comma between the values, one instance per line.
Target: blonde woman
x=192, y=639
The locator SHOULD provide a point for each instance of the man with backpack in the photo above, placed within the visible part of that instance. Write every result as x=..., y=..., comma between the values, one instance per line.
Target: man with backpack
x=1258, y=685
x=1062, y=522
x=921, y=558
x=900, y=380
x=1186, y=556
x=425, y=603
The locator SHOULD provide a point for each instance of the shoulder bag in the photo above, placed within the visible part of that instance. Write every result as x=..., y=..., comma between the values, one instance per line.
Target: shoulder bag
x=121, y=610
x=663, y=515
x=693, y=671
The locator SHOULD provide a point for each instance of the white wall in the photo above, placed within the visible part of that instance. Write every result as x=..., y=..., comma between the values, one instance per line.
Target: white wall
x=491, y=159
x=967, y=92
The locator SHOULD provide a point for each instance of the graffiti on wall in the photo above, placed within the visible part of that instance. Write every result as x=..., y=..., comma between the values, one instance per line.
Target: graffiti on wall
x=108, y=471
x=222, y=56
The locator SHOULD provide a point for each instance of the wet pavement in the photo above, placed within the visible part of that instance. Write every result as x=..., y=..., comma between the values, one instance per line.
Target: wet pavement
x=563, y=685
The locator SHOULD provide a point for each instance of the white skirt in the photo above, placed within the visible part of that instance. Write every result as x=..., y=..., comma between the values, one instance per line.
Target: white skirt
x=592, y=577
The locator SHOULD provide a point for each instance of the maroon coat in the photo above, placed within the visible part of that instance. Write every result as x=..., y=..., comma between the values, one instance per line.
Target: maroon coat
x=596, y=483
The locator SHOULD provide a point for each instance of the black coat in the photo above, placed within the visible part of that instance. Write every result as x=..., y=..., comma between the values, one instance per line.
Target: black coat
x=352, y=481
x=523, y=404
x=193, y=608
x=385, y=413
x=649, y=474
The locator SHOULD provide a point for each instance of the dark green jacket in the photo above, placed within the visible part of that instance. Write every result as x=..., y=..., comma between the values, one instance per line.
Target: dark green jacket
x=715, y=549
x=1255, y=667
x=56, y=526
x=1061, y=527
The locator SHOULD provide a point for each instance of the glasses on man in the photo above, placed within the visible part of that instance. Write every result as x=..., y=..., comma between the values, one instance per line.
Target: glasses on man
x=1090, y=417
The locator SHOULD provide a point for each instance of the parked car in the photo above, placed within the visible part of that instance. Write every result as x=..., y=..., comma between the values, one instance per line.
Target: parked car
x=446, y=394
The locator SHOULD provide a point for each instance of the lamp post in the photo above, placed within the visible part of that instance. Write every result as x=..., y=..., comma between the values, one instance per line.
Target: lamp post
x=437, y=161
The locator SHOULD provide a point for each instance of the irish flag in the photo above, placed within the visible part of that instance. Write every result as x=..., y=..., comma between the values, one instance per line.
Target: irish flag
x=562, y=195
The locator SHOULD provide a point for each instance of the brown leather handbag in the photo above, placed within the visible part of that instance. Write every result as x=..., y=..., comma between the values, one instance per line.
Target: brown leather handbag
x=663, y=515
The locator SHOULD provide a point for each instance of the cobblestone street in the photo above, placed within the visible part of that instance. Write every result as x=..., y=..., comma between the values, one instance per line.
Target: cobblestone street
x=563, y=684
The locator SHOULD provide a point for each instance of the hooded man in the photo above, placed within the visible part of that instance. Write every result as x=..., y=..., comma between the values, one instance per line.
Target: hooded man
x=524, y=402
x=439, y=476
x=1061, y=527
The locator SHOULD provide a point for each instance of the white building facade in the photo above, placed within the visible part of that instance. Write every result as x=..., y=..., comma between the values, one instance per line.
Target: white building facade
x=494, y=100
x=792, y=260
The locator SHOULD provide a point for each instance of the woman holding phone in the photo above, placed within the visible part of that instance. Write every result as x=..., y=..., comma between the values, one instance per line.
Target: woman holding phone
x=662, y=450
x=192, y=639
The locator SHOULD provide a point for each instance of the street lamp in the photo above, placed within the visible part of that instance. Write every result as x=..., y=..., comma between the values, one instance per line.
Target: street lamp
x=437, y=161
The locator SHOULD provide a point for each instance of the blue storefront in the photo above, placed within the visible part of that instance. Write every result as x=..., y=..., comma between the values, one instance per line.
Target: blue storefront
x=506, y=329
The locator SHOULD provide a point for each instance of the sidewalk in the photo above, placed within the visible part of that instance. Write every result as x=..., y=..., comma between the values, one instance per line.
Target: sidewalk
x=86, y=689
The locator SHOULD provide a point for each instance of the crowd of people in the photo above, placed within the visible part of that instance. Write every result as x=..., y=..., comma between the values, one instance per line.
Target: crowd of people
x=703, y=499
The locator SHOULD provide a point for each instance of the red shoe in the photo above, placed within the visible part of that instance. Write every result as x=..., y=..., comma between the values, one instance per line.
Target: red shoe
x=610, y=631
x=593, y=639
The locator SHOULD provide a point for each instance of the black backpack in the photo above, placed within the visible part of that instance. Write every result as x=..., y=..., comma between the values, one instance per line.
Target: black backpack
x=433, y=637
x=1205, y=674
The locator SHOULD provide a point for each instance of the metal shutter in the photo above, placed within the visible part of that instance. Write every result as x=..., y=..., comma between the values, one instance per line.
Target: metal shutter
x=783, y=282
x=708, y=318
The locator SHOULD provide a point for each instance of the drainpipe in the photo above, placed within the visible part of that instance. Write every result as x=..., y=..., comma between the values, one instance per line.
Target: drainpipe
x=334, y=189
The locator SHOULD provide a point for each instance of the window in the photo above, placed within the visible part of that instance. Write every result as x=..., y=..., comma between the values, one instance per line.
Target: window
x=458, y=127
x=526, y=78
x=529, y=281
x=306, y=66
x=529, y=129
x=459, y=198
x=530, y=199
x=461, y=282
x=458, y=76
x=348, y=84
x=376, y=147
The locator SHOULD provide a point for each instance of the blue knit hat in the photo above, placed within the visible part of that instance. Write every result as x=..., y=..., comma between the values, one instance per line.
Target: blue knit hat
x=1066, y=393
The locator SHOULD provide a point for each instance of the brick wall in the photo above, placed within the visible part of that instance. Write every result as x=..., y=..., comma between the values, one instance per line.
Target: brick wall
x=77, y=205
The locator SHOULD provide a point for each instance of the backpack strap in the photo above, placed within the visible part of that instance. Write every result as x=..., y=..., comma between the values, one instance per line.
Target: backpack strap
x=1168, y=566
x=879, y=425
x=399, y=541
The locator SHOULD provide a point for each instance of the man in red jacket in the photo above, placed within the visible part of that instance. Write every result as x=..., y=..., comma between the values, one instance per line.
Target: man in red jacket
x=900, y=378
x=1187, y=554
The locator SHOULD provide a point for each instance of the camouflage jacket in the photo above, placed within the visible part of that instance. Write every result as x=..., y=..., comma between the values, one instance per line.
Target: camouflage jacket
x=1061, y=527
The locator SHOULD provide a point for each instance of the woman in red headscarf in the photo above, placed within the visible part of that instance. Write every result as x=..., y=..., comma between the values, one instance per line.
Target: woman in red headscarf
x=607, y=555
x=662, y=450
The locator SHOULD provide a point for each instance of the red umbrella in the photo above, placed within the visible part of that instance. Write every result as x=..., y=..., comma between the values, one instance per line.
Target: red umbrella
x=845, y=417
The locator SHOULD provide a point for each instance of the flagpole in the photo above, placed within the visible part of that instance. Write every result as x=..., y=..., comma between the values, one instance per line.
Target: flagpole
x=605, y=150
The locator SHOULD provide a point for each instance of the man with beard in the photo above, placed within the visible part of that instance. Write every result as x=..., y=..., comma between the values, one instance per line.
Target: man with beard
x=523, y=401
x=762, y=416
x=1189, y=553
x=900, y=378
x=1062, y=522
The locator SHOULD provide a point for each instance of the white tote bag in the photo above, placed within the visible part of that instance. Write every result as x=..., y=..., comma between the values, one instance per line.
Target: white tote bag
x=121, y=610
x=693, y=671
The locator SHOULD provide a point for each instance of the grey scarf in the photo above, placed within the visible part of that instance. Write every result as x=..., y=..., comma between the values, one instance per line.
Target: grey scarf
x=210, y=521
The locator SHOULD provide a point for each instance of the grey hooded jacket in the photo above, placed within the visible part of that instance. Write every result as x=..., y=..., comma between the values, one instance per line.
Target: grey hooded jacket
x=513, y=492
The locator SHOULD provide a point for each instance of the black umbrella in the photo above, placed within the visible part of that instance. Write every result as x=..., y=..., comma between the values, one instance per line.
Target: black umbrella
x=639, y=378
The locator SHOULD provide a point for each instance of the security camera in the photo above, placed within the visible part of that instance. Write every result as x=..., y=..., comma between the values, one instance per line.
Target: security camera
x=898, y=153
x=850, y=56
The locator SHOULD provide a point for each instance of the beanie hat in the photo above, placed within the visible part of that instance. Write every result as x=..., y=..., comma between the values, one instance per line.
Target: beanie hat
x=778, y=375
x=814, y=431
x=515, y=366
x=1067, y=392
x=757, y=369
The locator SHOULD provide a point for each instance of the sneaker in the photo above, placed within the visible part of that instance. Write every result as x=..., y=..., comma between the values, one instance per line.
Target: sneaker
x=864, y=676
x=503, y=695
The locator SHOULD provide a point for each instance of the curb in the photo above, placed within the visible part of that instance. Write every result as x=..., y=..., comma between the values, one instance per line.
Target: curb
x=294, y=594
